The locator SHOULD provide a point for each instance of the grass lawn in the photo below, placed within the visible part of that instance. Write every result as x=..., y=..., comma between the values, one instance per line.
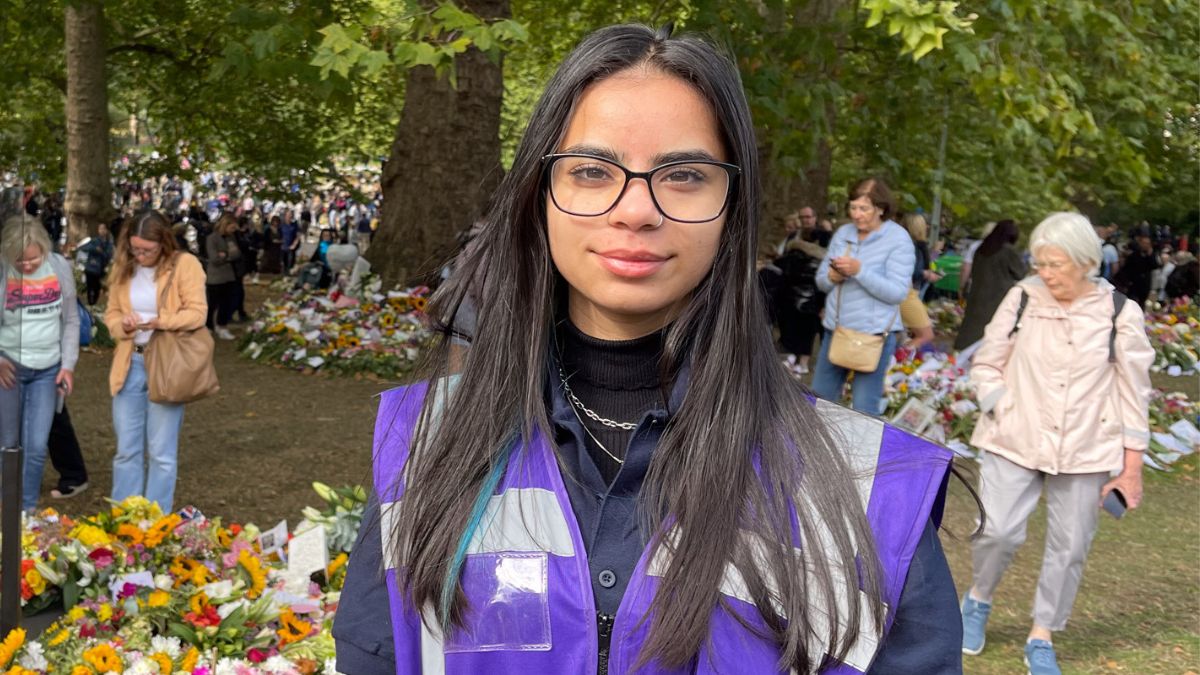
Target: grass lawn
x=1138, y=610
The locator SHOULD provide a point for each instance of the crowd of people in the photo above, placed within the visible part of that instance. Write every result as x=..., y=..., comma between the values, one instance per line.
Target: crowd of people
x=175, y=258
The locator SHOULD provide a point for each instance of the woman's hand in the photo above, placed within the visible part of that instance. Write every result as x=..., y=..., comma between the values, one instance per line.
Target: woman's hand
x=1129, y=482
x=846, y=266
x=152, y=324
x=8, y=374
x=129, y=323
x=65, y=381
x=834, y=277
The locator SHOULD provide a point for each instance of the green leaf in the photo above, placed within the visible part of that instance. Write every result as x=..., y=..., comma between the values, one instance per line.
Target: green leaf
x=182, y=632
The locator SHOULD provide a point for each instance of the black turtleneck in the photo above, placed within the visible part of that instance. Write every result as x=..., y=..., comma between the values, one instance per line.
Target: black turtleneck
x=618, y=380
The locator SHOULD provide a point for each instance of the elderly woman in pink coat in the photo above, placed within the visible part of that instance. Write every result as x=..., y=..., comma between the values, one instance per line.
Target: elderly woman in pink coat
x=1063, y=382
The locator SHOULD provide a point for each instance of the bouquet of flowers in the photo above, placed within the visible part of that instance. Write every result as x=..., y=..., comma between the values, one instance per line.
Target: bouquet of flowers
x=940, y=383
x=947, y=316
x=1174, y=331
x=147, y=592
x=366, y=331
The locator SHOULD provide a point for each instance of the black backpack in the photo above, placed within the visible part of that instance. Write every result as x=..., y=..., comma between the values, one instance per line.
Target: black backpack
x=1118, y=304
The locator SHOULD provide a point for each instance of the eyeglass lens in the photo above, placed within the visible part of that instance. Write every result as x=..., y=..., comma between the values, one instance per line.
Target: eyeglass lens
x=588, y=186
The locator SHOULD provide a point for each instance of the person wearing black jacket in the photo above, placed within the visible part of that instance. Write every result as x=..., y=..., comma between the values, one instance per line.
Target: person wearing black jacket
x=798, y=301
x=1137, y=271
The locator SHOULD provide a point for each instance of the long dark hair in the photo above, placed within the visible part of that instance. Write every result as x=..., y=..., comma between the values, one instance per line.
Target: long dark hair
x=1005, y=232
x=743, y=451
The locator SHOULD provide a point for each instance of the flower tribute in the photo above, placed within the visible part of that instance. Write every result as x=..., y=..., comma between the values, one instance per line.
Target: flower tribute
x=360, y=332
x=146, y=592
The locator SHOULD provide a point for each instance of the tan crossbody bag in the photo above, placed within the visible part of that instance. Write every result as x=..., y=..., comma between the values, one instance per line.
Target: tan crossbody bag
x=852, y=349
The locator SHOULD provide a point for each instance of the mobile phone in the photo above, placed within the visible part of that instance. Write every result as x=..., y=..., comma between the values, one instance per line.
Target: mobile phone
x=1115, y=504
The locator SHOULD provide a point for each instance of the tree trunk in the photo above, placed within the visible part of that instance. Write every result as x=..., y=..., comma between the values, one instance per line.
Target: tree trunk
x=89, y=190
x=785, y=192
x=444, y=163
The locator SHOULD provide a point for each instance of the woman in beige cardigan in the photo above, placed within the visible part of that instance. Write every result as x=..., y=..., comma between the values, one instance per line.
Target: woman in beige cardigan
x=1063, y=382
x=152, y=287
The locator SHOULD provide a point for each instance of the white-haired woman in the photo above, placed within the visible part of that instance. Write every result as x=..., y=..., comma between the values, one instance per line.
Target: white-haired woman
x=39, y=343
x=1062, y=378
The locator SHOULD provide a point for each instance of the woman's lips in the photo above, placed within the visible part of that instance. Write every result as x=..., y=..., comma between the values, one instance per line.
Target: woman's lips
x=631, y=264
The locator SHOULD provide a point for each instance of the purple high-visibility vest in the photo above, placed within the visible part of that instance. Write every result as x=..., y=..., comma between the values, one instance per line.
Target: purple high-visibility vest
x=526, y=579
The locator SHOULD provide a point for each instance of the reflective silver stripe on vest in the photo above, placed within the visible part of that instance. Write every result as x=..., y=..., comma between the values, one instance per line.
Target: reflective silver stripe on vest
x=858, y=436
x=433, y=658
x=523, y=520
x=733, y=585
x=518, y=520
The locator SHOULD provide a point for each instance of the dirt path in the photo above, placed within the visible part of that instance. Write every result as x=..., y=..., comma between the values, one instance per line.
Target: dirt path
x=248, y=454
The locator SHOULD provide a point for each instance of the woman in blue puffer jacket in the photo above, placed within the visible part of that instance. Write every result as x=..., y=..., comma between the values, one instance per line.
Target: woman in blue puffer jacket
x=866, y=274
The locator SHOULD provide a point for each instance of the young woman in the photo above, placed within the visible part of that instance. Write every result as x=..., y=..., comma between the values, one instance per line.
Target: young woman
x=39, y=343
x=621, y=475
x=152, y=287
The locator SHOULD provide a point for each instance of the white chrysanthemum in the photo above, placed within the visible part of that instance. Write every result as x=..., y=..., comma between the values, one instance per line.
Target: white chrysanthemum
x=33, y=658
x=227, y=666
x=167, y=645
x=278, y=665
x=164, y=582
x=142, y=667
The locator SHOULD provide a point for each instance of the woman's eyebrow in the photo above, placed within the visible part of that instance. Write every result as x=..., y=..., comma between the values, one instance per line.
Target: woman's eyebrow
x=594, y=150
x=690, y=155
x=684, y=156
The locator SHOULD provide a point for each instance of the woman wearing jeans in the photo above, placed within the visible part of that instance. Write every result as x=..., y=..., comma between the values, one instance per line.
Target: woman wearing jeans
x=153, y=287
x=39, y=343
x=866, y=274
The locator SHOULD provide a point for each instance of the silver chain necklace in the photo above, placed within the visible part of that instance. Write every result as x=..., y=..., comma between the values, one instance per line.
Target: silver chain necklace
x=577, y=405
x=592, y=415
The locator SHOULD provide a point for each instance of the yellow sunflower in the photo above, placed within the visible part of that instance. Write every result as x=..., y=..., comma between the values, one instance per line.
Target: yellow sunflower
x=258, y=576
x=160, y=530
x=189, y=660
x=291, y=628
x=12, y=642
x=163, y=661
x=104, y=659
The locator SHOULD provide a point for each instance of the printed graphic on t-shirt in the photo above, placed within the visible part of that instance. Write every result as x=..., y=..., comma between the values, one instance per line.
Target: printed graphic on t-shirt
x=38, y=293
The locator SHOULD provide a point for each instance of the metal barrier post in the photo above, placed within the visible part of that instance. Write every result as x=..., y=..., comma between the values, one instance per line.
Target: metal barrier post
x=10, y=532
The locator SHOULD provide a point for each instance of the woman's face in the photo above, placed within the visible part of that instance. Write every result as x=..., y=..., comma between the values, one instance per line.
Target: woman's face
x=1062, y=276
x=144, y=251
x=865, y=214
x=31, y=258
x=628, y=274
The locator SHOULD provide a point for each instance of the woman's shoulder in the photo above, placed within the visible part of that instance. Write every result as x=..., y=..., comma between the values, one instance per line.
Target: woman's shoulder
x=185, y=262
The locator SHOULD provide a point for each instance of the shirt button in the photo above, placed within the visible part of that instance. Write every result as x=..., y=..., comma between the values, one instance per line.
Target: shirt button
x=608, y=579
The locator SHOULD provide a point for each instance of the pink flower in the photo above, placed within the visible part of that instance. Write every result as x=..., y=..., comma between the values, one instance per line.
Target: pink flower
x=256, y=655
x=102, y=557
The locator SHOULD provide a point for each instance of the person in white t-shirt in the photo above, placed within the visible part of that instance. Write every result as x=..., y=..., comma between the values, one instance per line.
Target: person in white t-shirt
x=39, y=344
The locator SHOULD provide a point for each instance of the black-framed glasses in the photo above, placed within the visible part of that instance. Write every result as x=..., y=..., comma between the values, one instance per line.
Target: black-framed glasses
x=686, y=191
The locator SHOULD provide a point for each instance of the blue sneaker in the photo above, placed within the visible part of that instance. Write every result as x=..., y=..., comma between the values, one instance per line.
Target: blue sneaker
x=974, y=618
x=1040, y=659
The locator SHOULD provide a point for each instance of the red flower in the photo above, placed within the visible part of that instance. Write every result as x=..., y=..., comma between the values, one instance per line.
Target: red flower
x=208, y=618
x=256, y=656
